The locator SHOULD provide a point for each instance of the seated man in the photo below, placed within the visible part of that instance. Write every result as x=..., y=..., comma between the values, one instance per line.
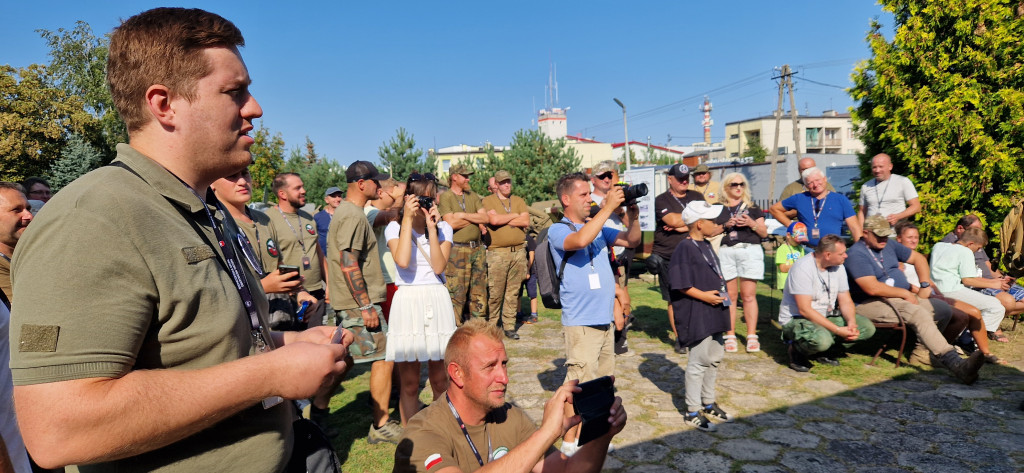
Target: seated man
x=476, y=430
x=880, y=291
x=954, y=270
x=816, y=306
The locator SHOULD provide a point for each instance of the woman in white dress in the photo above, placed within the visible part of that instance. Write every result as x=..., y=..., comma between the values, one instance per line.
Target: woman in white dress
x=422, y=318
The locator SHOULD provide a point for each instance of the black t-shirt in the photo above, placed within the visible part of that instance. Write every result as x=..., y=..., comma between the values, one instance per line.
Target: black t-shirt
x=743, y=234
x=665, y=242
x=691, y=266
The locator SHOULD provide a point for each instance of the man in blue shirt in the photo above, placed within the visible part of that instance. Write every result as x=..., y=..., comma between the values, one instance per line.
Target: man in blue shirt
x=823, y=212
x=588, y=285
x=332, y=199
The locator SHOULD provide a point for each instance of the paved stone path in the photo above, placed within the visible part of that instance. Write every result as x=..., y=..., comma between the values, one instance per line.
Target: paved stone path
x=789, y=421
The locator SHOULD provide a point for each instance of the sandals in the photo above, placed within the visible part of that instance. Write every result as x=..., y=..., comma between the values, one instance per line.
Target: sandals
x=753, y=345
x=730, y=344
x=998, y=337
x=995, y=360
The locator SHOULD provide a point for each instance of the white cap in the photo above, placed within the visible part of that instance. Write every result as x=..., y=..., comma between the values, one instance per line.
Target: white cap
x=701, y=210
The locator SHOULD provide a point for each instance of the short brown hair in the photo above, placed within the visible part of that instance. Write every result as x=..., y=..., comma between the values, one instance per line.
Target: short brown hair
x=162, y=46
x=828, y=243
x=281, y=180
x=974, y=235
x=458, y=345
x=567, y=182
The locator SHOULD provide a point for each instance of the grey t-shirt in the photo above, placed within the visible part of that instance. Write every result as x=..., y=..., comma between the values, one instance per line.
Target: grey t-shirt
x=805, y=279
x=887, y=197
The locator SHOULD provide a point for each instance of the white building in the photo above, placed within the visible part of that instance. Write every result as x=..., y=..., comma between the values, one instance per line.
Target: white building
x=830, y=133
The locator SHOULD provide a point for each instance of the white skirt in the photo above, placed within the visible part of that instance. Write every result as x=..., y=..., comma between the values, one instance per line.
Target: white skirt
x=420, y=323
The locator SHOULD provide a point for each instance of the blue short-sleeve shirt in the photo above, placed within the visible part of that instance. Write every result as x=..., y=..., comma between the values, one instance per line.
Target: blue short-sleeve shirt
x=582, y=305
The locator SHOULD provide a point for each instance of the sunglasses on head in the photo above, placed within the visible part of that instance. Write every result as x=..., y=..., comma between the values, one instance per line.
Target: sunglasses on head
x=737, y=184
x=414, y=177
x=607, y=175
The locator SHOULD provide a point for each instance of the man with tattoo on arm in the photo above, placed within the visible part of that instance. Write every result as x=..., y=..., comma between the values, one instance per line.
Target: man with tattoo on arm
x=357, y=289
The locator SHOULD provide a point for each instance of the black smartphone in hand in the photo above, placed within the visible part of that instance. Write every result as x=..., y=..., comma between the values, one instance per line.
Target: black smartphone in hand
x=594, y=404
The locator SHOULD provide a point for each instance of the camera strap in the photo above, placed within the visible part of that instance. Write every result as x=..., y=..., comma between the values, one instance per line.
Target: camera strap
x=462, y=425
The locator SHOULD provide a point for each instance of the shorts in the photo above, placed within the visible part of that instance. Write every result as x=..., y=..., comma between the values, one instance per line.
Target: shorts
x=745, y=260
x=370, y=344
x=659, y=264
x=1015, y=290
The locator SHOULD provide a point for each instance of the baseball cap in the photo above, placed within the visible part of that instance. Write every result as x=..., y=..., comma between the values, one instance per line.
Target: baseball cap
x=878, y=225
x=603, y=167
x=460, y=169
x=363, y=170
x=700, y=168
x=798, y=231
x=679, y=171
x=331, y=190
x=701, y=210
x=502, y=176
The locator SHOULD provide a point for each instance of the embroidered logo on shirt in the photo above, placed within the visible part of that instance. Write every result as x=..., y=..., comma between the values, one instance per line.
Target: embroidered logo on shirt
x=432, y=461
x=195, y=254
x=499, y=452
x=272, y=247
x=310, y=229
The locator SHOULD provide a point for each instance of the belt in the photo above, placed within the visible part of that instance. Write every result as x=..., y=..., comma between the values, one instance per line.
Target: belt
x=509, y=249
x=600, y=326
x=469, y=244
x=740, y=245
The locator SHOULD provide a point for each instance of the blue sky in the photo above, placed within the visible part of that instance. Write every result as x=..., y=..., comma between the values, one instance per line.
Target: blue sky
x=348, y=74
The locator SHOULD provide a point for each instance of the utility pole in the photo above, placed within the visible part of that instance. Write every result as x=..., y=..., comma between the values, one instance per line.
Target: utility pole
x=786, y=82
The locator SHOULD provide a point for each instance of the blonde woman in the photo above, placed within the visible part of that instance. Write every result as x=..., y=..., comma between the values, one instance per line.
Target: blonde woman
x=742, y=256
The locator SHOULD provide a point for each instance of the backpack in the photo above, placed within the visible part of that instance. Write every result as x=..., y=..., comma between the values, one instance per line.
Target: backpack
x=549, y=279
x=1011, y=241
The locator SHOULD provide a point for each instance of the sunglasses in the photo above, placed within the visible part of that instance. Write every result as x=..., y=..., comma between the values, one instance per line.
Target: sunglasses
x=415, y=177
x=737, y=184
x=607, y=175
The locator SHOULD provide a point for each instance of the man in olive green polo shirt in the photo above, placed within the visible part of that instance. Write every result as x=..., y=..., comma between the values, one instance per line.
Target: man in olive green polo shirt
x=138, y=348
x=299, y=245
x=507, y=221
x=467, y=265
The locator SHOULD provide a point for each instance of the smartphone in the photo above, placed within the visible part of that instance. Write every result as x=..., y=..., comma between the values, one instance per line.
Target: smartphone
x=594, y=404
x=285, y=269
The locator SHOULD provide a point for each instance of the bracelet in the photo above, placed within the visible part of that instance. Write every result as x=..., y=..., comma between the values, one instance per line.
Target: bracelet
x=366, y=307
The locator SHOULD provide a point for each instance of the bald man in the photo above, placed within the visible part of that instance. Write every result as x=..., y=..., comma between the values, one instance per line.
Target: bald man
x=889, y=195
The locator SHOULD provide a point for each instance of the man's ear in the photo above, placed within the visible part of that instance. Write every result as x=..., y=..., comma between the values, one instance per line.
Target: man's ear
x=456, y=375
x=158, y=102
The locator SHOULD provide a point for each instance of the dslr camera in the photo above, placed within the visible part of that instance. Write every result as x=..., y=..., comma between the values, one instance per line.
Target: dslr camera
x=426, y=202
x=632, y=192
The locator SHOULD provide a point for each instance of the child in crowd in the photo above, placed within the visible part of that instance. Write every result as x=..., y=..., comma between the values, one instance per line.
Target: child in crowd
x=700, y=305
x=789, y=252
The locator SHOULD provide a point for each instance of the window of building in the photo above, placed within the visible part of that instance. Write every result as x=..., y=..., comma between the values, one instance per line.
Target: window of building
x=445, y=164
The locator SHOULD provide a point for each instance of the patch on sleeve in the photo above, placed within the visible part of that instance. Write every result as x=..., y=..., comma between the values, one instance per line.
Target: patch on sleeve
x=432, y=461
x=38, y=338
x=195, y=254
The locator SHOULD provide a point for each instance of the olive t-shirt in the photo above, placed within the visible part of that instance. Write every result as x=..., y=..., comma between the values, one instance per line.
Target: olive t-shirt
x=468, y=202
x=505, y=235
x=350, y=230
x=262, y=235
x=433, y=440
x=113, y=276
x=297, y=238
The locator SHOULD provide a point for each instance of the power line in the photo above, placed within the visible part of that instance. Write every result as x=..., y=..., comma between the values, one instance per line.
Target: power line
x=822, y=83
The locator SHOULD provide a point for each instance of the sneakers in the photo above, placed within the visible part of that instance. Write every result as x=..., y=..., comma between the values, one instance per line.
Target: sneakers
x=511, y=334
x=532, y=319
x=319, y=417
x=681, y=349
x=826, y=360
x=390, y=432
x=797, y=361
x=712, y=411
x=698, y=420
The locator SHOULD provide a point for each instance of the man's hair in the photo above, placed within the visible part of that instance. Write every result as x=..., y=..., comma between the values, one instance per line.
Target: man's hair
x=163, y=46
x=974, y=235
x=31, y=181
x=967, y=220
x=828, y=243
x=567, y=182
x=387, y=183
x=810, y=172
x=904, y=225
x=15, y=186
x=458, y=345
x=281, y=180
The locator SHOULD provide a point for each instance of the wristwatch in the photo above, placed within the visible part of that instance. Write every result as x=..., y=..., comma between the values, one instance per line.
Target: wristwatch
x=925, y=284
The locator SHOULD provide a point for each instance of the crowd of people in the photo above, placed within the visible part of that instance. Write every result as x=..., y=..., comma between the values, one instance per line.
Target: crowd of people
x=185, y=331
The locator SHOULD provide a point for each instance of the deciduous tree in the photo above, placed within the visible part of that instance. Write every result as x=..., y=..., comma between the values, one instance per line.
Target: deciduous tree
x=267, y=160
x=318, y=173
x=535, y=162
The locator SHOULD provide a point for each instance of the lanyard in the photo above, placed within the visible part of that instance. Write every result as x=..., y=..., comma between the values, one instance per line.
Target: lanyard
x=714, y=266
x=883, y=192
x=590, y=254
x=247, y=250
x=817, y=206
x=828, y=288
x=298, y=236
x=235, y=269
x=508, y=209
x=462, y=202
x=462, y=425
x=8, y=258
x=879, y=260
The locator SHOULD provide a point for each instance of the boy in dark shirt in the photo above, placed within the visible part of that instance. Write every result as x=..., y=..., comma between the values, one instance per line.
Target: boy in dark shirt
x=700, y=305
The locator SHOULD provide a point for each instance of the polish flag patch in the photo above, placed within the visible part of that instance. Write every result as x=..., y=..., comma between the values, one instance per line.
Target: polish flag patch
x=432, y=461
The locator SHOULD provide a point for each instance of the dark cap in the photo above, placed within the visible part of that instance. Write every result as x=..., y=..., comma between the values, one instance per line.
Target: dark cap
x=679, y=171
x=363, y=170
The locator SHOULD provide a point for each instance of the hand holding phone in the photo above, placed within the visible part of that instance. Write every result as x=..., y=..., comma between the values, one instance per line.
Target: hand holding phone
x=594, y=404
